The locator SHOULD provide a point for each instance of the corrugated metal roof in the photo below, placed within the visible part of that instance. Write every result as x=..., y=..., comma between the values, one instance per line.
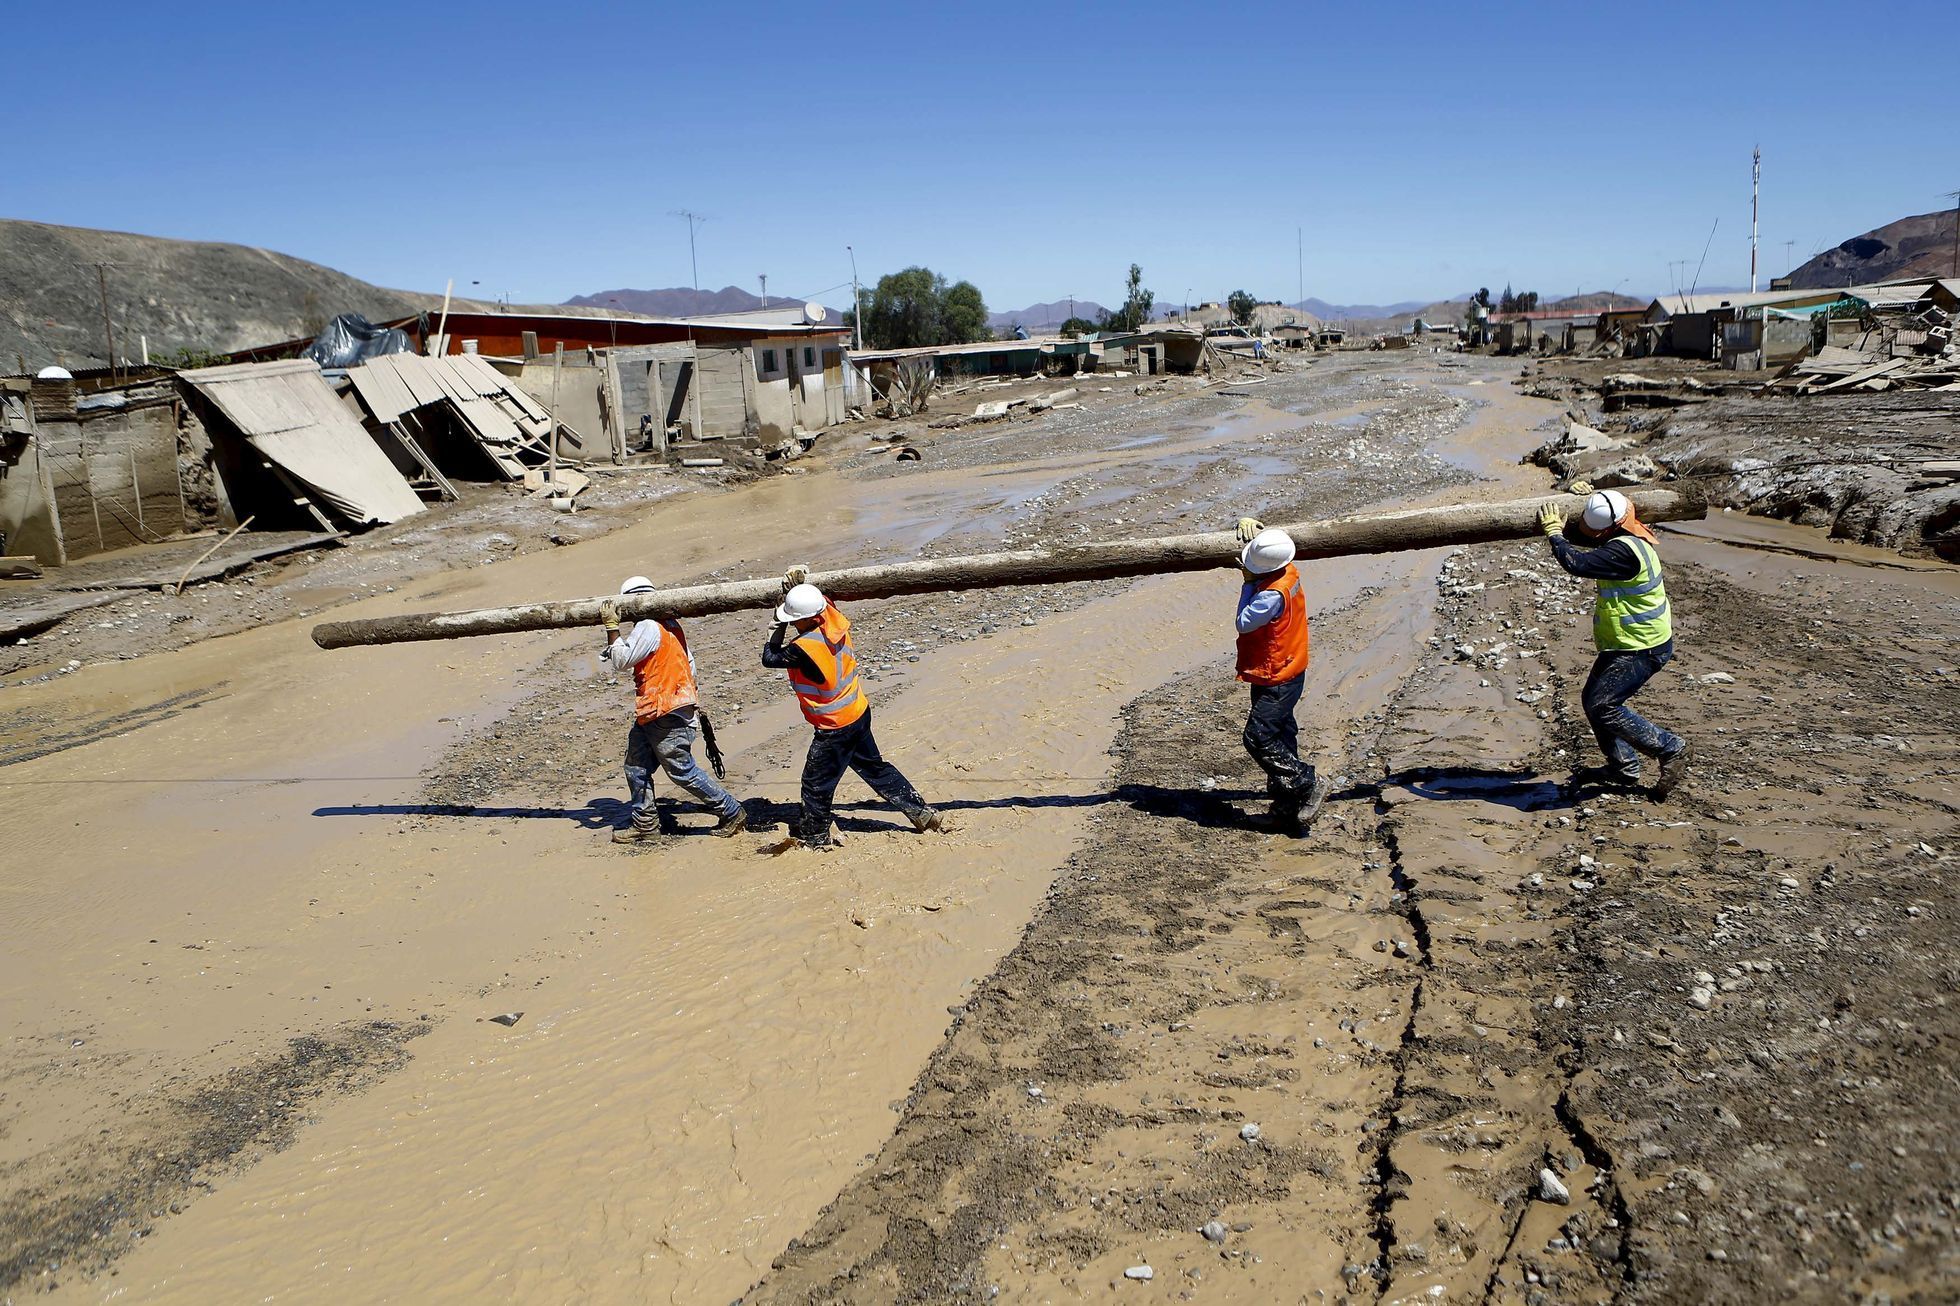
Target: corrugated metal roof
x=287, y=412
x=1710, y=300
x=978, y=347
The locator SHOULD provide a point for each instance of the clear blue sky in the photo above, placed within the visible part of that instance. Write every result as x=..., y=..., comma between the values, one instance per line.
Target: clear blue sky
x=1034, y=149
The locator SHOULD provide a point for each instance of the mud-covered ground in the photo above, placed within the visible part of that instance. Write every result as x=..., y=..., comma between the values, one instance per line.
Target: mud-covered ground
x=1849, y=463
x=1331, y=1068
x=1340, y=1069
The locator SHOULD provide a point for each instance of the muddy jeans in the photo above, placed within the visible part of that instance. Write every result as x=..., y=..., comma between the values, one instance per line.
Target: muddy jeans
x=832, y=752
x=1624, y=734
x=668, y=742
x=1272, y=736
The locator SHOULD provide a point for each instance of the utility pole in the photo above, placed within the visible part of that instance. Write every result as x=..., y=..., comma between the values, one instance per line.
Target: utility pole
x=1789, y=257
x=108, y=331
x=693, y=220
x=763, y=277
x=1755, y=191
x=1300, y=259
x=1954, y=195
x=857, y=303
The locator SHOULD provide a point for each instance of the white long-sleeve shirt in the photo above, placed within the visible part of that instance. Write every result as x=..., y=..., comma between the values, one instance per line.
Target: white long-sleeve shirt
x=1258, y=607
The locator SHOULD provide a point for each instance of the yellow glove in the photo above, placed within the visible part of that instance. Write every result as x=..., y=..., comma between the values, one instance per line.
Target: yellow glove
x=796, y=575
x=1579, y=487
x=1249, y=527
x=1551, y=520
x=609, y=614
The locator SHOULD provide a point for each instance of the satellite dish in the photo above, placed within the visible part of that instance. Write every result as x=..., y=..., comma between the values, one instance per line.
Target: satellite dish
x=815, y=312
x=54, y=374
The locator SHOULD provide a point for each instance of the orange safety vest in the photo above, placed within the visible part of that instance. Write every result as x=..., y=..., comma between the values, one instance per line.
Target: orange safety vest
x=837, y=699
x=663, y=681
x=1277, y=651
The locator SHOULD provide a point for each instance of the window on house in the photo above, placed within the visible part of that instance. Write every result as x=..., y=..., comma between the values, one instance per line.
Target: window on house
x=768, y=360
x=809, y=356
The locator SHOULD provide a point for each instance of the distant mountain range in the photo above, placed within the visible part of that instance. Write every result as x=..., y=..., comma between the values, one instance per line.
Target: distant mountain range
x=1327, y=312
x=1920, y=246
x=678, y=301
x=1038, y=318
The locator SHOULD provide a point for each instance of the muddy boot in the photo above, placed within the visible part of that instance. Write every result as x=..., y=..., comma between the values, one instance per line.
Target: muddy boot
x=1599, y=777
x=636, y=834
x=732, y=825
x=1310, y=805
x=1674, y=769
x=927, y=819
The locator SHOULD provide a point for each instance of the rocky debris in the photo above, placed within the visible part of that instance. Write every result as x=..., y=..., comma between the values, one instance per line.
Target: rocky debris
x=1552, y=1189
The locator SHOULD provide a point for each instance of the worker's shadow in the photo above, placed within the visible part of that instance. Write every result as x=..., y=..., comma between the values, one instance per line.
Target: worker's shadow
x=1214, y=808
x=597, y=814
x=1518, y=790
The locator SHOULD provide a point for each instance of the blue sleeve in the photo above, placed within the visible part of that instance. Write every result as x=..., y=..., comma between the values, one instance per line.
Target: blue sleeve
x=1613, y=560
x=1258, y=608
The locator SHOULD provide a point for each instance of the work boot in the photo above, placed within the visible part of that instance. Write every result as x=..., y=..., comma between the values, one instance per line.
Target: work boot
x=1310, y=805
x=927, y=819
x=1674, y=769
x=636, y=834
x=732, y=824
x=1599, y=777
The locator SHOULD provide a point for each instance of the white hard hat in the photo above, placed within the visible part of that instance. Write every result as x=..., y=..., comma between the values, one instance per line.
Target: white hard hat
x=636, y=585
x=801, y=601
x=1268, y=552
x=54, y=373
x=1605, y=509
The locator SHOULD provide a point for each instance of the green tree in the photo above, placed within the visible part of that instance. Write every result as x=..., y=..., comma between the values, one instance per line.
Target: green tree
x=1482, y=296
x=1137, y=303
x=964, y=314
x=1078, y=326
x=1507, y=302
x=915, y=306
x=1241, y=304
x=905, y=310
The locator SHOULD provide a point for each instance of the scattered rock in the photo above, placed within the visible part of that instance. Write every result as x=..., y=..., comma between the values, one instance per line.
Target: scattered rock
x=1249, y=1132
x=1214, y=1231
x=507, y=1019
x=1143, y=1272
x=1552, y=1189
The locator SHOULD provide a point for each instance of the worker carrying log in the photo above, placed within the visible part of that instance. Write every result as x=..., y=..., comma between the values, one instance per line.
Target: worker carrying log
x=811, y=640
x=1272, y=660
x=1634, y=633
x=666, y=708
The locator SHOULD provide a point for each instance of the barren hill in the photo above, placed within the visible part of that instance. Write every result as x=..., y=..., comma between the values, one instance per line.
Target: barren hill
x=1920, y=246
x=179, y=294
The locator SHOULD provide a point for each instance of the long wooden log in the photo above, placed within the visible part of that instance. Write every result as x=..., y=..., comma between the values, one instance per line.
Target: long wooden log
x=1391, y=532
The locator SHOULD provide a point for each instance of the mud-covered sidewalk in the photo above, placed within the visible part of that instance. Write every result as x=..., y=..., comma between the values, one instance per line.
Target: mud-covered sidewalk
x=1474, y=1041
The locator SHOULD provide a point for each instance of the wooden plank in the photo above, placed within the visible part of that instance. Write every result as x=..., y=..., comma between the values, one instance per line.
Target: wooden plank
x=1863, y=375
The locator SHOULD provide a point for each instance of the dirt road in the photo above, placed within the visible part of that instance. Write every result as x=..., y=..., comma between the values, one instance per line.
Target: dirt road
x=261, y=918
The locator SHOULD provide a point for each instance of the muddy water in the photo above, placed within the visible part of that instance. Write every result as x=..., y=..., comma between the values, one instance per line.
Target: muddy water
x=709, y=1041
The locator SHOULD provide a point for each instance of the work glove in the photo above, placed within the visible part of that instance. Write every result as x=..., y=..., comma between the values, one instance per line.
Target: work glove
x=1579, y=487
x=609, y=614
x=796, y=575
x=1249, y=527
x=1551, y=521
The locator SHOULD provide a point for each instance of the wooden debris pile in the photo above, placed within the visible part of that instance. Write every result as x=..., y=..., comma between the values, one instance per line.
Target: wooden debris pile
x=1837, y=369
